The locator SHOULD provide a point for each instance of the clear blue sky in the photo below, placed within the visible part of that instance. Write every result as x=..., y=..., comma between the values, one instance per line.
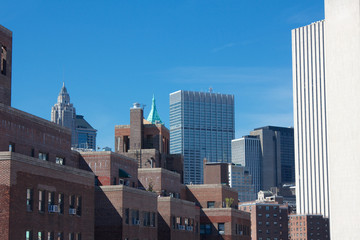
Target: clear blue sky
x=113, y=53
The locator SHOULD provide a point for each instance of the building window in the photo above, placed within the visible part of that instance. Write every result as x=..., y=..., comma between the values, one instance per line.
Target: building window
x=11, y=147
x=78, y=236
x=50, y=236
x=71, y=236
x=32, y=152
x=153, y=222
x=135, y=217
x=43, y=156
x=210, y=204
x=29, y=200
x=60, y=161
x=60, y=236
x=72, y=210
x=127, y=216
x=61, y=203
x=146, y=218
x=3, y=60
x=221, y=228
x=267, y=208
x=28, y=235
x=41, y=200
x=40, y=236
x=51, y=203
x=79, y=205
x=173, y=222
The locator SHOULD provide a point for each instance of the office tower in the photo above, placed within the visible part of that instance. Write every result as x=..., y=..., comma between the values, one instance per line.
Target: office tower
x=310, y=116
x=246, y=152
x=241, y=180
x=64, y=113
x=277, y=155
x=5, y=65
x=342, y=47
x=201, y=126
x=83, y=135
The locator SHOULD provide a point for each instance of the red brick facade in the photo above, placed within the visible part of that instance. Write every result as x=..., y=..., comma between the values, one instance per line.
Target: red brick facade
x=107, y=167
x=178, y=219
x=5, y=65
x=125, y=213
x=308, y=227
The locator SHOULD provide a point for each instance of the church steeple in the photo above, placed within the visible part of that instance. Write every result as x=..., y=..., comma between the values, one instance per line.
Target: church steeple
x=154, y=117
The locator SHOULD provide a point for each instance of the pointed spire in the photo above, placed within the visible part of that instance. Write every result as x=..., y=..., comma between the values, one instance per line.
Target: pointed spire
x=154, y=117
x=63, y=89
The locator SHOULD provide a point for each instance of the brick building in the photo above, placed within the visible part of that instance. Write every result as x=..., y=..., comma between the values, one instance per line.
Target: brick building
x=111, y=168
x=308, y=227
x=161, y=181
x=127, y=213
x=178, y=219
x=268, y=220
x=146, y=142
x=44, y=194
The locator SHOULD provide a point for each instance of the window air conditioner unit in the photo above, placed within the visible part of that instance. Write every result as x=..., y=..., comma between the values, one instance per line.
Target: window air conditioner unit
x=72, y=211
x=53, y=208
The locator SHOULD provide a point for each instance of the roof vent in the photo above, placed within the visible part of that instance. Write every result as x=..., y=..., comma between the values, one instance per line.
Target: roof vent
x=136, y=105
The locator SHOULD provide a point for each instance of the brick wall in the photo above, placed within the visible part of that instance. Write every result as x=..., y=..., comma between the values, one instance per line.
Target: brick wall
x=31, y=173
x=30, y=135
x=5, y=77
x=162, y=180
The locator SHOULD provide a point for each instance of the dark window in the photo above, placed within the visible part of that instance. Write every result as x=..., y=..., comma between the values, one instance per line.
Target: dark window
x=3, y=60
x=43, y=156
x=153, y=222
x=78, y=236
x=32, y=152
x=61, y=203
x=41, y=236
x=127, y=216
x=210, y=204
x=71, y=236
x=29, y=235
x=60, y=160
x=41, y=200
x=60, y=236
x=79, y=205
x=11, y=147
x=221, y=228
x=50, y=236
x=29, y=199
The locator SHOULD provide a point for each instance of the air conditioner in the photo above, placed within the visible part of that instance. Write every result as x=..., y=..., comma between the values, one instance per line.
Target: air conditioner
x=189, y=228
x=53, y=208
x=181, y=227
x=72, y=211
x=137, y=222
x=221, y=232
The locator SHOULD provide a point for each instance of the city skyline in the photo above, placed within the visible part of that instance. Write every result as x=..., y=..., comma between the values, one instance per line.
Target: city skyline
x=233, y=48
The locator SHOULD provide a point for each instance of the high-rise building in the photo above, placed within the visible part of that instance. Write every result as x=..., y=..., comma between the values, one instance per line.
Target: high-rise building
x=83, y=135
x=277, y=156
x=246, y=152
x=310, y=116
x=241, y=180
x=342, y=61
x=64, y=113
x=201, y=126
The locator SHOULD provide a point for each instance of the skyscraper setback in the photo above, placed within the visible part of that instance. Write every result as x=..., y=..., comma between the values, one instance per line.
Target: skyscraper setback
x=201, y=126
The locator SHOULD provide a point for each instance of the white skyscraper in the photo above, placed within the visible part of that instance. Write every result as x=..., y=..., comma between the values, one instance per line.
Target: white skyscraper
x=342, y=45
x=310, y=129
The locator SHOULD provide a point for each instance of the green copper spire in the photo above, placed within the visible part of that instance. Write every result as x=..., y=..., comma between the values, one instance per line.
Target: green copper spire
x=154, y=117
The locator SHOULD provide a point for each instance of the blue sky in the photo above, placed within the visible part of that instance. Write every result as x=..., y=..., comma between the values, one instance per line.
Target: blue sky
x=111, y=54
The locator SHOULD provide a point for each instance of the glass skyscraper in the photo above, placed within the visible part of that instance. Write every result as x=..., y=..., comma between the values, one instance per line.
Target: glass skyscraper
x=246, y=151
x=201, y=126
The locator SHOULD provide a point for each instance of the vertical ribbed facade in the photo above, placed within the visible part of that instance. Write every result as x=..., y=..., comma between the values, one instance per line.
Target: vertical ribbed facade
x=310, y=132
x=201, y=126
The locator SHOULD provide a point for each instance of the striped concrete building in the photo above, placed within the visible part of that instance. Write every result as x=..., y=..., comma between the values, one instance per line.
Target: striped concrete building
x=310, y=130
